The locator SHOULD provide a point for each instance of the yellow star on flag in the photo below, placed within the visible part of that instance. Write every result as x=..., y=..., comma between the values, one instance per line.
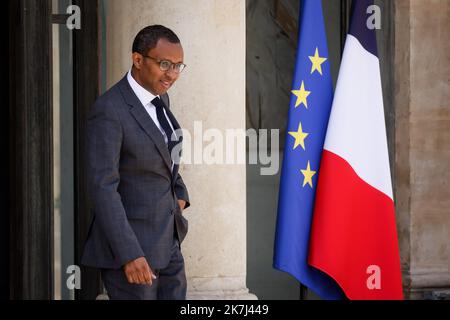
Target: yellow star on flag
x=308, y=174
x=299, y=136
x=301, y=94
x=317, y=62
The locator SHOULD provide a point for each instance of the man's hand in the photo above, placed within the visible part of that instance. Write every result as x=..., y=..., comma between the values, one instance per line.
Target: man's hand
x=182, y=204
x=138, y=272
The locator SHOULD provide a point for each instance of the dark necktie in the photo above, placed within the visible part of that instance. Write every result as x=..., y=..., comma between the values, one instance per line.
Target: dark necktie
x=159, y=104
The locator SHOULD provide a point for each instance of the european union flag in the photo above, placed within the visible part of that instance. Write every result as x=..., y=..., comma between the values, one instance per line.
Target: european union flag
x=311, y=99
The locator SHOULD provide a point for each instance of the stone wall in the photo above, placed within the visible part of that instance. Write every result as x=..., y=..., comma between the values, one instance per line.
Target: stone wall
x=422, y=69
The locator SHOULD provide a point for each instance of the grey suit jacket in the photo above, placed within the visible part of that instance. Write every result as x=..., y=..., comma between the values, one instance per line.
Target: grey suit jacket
x=132, y=188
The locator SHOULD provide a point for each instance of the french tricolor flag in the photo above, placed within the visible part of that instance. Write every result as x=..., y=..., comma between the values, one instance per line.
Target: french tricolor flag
x=353, y=236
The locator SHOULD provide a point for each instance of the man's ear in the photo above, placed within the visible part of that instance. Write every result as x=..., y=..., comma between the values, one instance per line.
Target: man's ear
x=137, y=60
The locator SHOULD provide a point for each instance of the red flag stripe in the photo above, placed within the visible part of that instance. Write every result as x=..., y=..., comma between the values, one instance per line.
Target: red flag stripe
x=353, y=229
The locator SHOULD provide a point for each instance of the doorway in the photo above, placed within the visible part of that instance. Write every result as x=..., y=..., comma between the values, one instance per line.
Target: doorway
x=53, y=80
x=271, y=47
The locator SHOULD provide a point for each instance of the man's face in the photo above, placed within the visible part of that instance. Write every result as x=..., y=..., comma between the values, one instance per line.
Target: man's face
x=148, y=72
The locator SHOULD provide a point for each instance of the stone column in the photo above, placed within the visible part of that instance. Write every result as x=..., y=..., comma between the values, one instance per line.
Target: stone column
x=210, y=90
x=422, y=98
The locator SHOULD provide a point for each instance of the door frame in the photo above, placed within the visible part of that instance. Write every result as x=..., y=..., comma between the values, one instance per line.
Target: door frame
x=86, y=90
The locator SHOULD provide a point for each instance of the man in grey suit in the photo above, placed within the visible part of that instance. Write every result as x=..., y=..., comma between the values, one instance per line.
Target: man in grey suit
x=136, y=191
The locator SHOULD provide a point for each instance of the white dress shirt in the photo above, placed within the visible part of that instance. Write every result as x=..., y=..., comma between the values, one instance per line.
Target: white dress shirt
x=146, y=97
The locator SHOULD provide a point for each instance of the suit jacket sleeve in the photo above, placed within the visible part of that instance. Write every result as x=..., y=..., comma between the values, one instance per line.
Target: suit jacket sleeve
x=105, y=136
x=181, y=191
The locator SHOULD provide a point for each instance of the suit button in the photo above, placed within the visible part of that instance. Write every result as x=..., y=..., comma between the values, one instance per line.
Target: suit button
x=172, y=212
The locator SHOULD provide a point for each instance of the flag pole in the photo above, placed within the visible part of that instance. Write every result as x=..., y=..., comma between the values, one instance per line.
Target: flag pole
x=303, y=292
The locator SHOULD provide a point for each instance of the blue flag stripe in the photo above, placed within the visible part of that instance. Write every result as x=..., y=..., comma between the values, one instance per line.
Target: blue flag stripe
x=358, y=26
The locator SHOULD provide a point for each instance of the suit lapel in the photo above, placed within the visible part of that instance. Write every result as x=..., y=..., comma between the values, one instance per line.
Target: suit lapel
x=145, y=121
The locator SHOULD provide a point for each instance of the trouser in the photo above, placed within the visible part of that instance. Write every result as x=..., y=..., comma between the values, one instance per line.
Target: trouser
x=170, y=283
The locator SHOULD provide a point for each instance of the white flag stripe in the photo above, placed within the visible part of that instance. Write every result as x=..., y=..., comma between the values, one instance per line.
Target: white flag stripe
x=356, y=129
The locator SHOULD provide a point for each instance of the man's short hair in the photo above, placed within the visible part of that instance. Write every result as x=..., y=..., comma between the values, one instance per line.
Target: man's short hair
x=147, y=38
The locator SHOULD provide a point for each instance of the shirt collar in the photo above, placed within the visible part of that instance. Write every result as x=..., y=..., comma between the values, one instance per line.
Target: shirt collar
x=143, y=94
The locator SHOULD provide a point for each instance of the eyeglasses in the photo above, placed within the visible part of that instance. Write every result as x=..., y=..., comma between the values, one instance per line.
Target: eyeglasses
x=165, y=65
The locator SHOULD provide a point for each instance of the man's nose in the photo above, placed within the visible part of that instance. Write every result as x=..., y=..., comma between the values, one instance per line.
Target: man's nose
x=171, y=73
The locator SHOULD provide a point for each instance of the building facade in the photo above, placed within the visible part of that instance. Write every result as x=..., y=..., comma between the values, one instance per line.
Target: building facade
x=240, y=56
